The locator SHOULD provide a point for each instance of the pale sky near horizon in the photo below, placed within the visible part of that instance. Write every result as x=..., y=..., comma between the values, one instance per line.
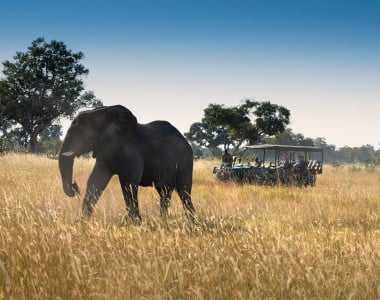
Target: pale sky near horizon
x=170, y=59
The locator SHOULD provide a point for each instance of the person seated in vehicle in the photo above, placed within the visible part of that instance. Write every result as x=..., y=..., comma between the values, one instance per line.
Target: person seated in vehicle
x=285, y=163
x=300, y=169
x=227, y=159
x=257, y=162
x=301, y=164
x=284, y=170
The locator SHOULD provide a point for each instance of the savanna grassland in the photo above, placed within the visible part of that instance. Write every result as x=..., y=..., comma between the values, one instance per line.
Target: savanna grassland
x=250, y=242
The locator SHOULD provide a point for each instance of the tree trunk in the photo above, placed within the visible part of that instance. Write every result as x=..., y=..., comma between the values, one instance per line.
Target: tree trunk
x=33, y=143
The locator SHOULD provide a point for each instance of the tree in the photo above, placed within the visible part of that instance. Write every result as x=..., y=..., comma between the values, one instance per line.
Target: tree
x=40, y=87
x=233, y=122
x=329, y=150
x=248, y=122
x=4, y=123
x=287, y=137
x=377, y=157
x=49, y=139
x=271, y=118
x=208, y=136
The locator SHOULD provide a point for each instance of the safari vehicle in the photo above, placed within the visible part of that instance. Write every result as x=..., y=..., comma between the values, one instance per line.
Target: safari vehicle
x=274, y=164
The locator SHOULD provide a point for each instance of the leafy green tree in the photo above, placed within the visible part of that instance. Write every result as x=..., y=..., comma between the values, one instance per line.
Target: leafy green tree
x=49, y=139
x=248, y=122
x=232, y=124
x=271, y=118
x=209, y=136
x=41, y=86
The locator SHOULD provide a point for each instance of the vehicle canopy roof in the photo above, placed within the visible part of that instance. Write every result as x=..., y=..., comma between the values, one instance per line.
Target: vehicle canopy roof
x=285, y=148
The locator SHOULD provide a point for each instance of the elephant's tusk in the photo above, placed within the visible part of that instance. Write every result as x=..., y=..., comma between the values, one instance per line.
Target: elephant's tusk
x=68, y=153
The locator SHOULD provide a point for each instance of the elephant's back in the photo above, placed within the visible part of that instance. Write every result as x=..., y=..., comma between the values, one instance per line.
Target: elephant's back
x=163, y=128
x=162, y=137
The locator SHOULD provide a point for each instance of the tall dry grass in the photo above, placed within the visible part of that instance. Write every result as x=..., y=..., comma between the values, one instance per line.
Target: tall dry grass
x=250, y=242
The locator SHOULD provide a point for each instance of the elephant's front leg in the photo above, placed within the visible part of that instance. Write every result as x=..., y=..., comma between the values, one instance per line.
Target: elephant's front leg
x=97, y=182
x=130, y=197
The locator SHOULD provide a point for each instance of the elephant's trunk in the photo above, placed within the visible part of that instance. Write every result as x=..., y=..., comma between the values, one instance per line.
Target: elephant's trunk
x=66, y=163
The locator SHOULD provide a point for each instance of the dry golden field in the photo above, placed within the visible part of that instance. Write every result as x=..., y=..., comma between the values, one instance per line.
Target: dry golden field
x=250, y=242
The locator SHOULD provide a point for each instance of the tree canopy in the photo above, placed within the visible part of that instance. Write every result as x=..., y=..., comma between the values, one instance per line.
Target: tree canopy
x=287, y=137
x=232, y=126
x=41, y=86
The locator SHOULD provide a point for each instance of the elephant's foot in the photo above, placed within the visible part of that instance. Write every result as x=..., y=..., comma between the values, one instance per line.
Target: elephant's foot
x=134, y=218
x=190, y=211
x=191, y=217
x=164, y=213
x=87, y=210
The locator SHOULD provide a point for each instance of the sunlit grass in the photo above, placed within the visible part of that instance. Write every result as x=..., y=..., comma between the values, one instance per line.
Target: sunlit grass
x=250, y=241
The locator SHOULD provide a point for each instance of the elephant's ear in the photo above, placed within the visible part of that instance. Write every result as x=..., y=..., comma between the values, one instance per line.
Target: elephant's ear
x=123, y=120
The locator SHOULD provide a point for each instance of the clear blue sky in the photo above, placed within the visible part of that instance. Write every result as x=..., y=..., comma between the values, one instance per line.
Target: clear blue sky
x=170, y=59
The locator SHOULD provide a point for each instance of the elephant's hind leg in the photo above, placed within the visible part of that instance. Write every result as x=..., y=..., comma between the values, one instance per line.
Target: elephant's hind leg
x=184, y=192
x=165, y=196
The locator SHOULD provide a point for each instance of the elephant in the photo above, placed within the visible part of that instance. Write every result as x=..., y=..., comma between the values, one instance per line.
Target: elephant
x=154, y=154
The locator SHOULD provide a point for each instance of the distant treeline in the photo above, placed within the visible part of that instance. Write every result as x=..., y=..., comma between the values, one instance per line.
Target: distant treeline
x=364, y=154
x=49, y=143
